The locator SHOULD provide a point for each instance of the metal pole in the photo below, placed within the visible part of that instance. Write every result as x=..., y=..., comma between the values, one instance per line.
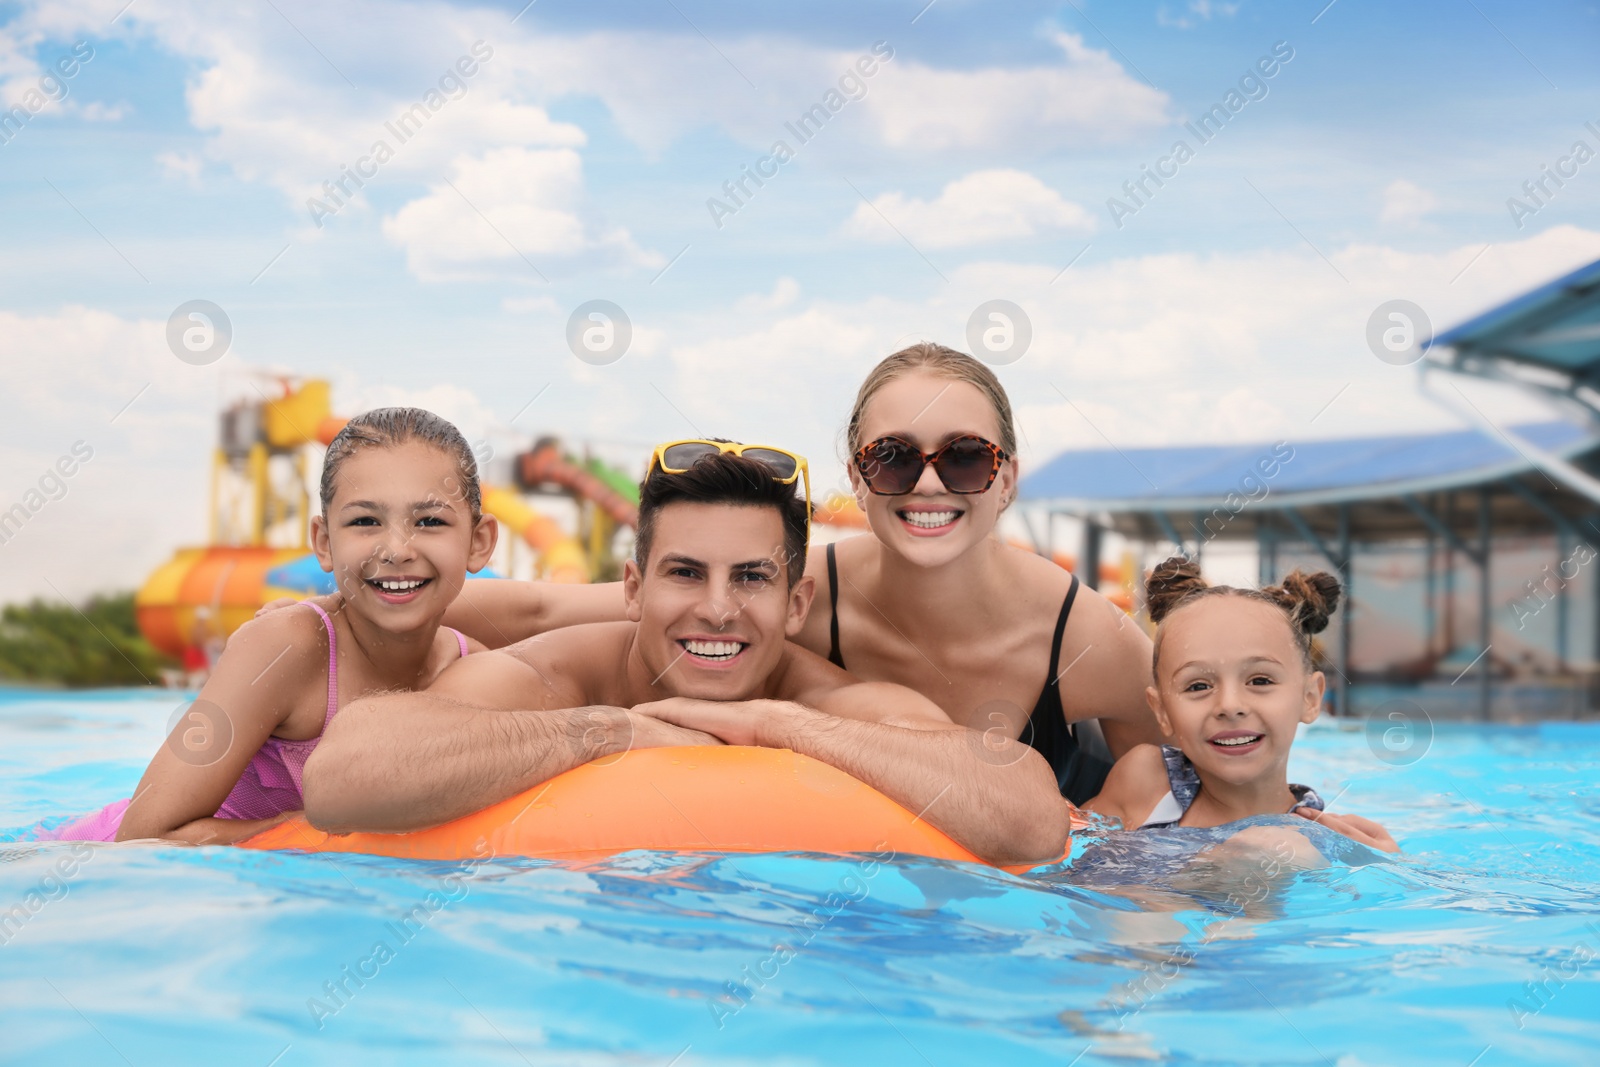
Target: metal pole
x=1266, y=566
x=1430, y=597
x=1483, y=603
x=1594, y=652
x=1447, y=647
x=1345, y=571
x=1561, y=604
x=1089, y=565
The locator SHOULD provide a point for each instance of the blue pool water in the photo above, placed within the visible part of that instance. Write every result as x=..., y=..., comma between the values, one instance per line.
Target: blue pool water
x=145, y=955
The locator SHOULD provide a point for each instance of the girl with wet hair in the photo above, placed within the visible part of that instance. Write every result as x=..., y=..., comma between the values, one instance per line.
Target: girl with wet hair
x=400, y=528
x=1234, y=678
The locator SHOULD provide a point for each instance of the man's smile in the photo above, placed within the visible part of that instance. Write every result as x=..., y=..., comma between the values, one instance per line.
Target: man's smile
x=712, y=650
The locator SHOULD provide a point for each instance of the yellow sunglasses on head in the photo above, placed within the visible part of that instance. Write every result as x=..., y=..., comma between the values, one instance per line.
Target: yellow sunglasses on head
x=676, y=457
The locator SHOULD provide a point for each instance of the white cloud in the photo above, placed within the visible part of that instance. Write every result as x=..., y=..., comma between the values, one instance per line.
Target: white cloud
x=258, y=79
x=1406, y=202
x=512, y=207
x=530, y=305
x=86, y=375
x=1087, y=98
x=1157, y=349
x=1202, y=10
x=96, y=111
x=182, y=165
x=1151, y=350
x=785, y=291
x=987, y=205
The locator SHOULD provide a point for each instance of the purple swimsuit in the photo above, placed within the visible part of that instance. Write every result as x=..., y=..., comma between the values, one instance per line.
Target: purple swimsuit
x=270, y=784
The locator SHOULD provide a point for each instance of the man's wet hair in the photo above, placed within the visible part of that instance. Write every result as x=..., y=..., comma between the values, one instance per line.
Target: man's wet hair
x=724, y=478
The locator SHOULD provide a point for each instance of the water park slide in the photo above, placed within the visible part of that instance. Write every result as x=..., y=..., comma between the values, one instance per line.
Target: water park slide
x=608, y=489
x=224, y=584
x=561, y=557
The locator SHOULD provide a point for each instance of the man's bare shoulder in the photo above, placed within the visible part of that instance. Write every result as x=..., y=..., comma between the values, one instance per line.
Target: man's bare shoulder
x=807, y=678
x=804, y=676
x=580, y=663
x=552, y=670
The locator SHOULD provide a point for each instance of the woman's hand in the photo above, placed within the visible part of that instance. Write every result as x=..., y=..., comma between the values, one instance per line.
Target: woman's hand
x=273, y=605
x=741, y=722
x=658, y=733
x=1356, y=828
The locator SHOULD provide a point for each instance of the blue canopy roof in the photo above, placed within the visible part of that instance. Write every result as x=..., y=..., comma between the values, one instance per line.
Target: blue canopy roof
x=1314, y=472
x=1556, y=326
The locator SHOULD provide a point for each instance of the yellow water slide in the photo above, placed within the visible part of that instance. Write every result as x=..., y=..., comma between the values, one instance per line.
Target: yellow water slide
x=561, y=557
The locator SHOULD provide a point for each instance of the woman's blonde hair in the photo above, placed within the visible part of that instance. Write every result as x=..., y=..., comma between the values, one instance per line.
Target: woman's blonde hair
x=944, y=363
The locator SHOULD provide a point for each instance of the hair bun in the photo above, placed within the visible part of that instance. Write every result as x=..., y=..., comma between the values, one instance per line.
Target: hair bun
x=1171, y=580
x=1310, y=598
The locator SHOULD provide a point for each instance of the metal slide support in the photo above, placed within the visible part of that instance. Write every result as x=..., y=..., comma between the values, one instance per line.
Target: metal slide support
x=1594, y=666
x=1542, y=506
x=1483, y=603
x=1171, y=531
x=1561, y=605
x=1345, y=574
x=1310, y=535
x=1089, y=562
x=1567, y=536
x=1266, y=553
x=1551, y=466
x=1431, y=520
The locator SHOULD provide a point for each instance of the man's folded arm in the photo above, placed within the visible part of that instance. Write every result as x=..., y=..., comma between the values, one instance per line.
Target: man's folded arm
x=405, y=761
x=995, y=796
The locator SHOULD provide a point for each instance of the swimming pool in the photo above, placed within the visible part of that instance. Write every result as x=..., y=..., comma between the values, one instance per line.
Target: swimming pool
x=172, y=955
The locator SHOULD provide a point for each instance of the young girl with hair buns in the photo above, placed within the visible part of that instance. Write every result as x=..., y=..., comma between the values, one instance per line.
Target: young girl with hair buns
x=401, y=526
x=1233, y=680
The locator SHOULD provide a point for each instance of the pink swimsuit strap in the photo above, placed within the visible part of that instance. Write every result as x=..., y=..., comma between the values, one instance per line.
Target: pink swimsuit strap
x=333, y=660
x=333, y=664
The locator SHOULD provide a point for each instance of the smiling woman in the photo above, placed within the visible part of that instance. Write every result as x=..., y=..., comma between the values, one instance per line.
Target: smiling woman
x=933, y=451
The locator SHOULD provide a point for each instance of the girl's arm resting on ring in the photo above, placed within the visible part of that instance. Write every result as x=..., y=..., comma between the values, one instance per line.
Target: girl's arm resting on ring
x=225, y=831
x=201, y=760
x=501, y=612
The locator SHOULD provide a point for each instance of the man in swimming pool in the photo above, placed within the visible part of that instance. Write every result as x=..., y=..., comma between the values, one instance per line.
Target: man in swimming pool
x=713, y=592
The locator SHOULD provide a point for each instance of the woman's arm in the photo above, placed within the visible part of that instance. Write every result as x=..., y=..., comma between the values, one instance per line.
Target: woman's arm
x=997, y=800
x=1104, y=669
x=1356, y=828
x=252, y=691
x=501, y=612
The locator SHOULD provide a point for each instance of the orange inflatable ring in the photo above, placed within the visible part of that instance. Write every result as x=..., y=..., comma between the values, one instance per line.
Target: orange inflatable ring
x=722, y=799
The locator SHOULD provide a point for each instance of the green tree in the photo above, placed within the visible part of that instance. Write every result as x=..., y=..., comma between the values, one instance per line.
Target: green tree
x=96, y=645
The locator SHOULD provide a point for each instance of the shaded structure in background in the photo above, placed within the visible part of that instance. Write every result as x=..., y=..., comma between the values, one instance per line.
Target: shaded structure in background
x=1508, y=516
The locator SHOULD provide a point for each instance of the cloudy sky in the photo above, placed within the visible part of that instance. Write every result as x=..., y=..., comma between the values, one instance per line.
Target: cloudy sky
x=536, y=158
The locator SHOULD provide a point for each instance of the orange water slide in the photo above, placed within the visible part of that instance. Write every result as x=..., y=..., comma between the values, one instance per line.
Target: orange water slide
x=545, y=465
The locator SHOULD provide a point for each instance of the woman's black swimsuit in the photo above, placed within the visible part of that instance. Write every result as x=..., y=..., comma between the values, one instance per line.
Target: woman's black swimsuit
x=1079, y=773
